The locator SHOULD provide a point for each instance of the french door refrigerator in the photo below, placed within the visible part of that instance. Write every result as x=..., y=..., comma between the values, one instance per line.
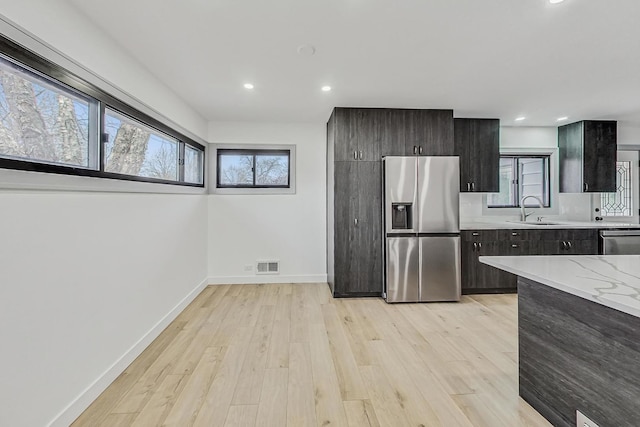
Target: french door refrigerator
x=422, y=228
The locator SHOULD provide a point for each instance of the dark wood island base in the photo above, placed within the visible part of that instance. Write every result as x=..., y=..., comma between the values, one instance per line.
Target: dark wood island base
x=575, y=354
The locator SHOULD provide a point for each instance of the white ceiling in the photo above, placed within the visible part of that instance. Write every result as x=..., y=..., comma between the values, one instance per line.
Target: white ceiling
x=483, y=58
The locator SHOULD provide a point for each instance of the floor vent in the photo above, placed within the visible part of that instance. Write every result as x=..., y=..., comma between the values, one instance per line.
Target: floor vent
x=268, y=267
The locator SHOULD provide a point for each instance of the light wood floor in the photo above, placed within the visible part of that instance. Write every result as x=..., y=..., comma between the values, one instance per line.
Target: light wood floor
x=290, y=355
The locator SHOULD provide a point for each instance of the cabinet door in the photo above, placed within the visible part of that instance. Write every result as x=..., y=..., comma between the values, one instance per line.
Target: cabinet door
x=484, y=159
x=581, y=242
x=488, y=277
x=345, y=128
x=570, y=152
x=370, y=129
x=439, y=138
x=599, y=167
x=469, y=262
x=369, y=228
x=462, y=149
x=345, y=230
x=392, y=142
x=416, y=128
x=429, y=133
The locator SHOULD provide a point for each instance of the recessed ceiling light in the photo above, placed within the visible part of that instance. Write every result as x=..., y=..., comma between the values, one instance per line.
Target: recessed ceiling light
x=519, y=119
x=562, y=119
x=555, y=1
x=326, y=88
x=306, y=50
x=248, y=86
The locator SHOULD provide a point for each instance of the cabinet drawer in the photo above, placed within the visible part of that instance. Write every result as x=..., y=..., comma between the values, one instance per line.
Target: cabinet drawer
x=476, y=235
x=528, y=235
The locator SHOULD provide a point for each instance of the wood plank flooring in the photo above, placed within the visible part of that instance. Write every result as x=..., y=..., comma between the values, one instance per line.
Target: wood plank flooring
x=291, y=355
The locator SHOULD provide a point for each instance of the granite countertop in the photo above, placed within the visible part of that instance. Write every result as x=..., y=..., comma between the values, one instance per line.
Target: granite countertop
x=478, y=225
x=609, y=280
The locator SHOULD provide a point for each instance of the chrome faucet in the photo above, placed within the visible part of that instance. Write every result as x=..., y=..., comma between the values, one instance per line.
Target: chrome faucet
x=523, y=213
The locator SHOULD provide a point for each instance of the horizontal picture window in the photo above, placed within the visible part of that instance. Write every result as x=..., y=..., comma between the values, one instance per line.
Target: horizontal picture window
x=42, y=121
x=65, y=125
x=248, y=168
x=135, y=149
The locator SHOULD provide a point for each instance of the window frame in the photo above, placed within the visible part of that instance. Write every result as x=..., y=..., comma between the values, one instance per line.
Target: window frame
x=267, y=149
x=59, y=76
x=516, y=185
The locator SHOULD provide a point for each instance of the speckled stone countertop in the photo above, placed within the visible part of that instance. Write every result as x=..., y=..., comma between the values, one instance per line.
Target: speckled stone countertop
x=610, y=280
x=493, y=225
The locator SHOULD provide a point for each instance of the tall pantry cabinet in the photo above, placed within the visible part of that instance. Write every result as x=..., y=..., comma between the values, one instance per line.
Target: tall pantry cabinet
x=357, y=139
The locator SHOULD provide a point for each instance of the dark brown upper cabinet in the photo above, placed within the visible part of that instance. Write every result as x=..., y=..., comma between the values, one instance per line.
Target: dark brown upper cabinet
x=371, y=133
x=477, y=142
x=429, y=133
x=588, y=156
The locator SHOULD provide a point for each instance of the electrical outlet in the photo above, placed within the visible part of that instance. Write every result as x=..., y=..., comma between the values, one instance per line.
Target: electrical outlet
x=583, y=421
x=248, y=267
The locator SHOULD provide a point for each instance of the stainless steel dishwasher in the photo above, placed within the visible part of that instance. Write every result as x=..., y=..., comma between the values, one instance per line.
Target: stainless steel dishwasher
x=620, y=242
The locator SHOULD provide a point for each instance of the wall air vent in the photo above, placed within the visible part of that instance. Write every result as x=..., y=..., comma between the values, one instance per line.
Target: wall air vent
x=268, y=267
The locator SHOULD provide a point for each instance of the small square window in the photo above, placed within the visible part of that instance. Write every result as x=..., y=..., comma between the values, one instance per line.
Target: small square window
x=253, y=168
x=522, y=176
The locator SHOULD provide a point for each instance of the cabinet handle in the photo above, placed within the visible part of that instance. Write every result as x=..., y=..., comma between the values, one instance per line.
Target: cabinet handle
x=355, y=155
x=475, y=246
x=355, y=221
x=564, y=245
x=586, y=187
x=479, y=245
x=415, y=149
x=514, y=234
x=514, y=246
x=420, y=150
x=475, y=233
x=468, y=186
x=361, y=155
x=569, y=244
x=473, y=186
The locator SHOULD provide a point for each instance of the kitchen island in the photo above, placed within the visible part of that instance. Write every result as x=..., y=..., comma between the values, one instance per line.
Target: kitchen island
x=579, y=336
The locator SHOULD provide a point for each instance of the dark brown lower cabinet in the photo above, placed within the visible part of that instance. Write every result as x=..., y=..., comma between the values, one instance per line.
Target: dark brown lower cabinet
x=478, y=278
x=357, y=255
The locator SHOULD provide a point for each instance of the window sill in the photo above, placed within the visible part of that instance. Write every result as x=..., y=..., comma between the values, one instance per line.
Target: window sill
x=39, y=181
x=252, y=191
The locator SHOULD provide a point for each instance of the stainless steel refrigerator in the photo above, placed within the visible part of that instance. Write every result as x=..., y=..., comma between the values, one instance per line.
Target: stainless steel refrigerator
x=422, y=228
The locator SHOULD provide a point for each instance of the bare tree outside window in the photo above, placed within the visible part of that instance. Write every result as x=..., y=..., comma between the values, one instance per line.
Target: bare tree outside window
x=45, y=121
x=135, y=149
x=253, y=168
x=272, y=170
x=41, y=121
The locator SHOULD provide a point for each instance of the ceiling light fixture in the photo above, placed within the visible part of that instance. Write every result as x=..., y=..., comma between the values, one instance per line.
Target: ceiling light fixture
x=326, y=88
x=248, y=86
x=555, y=1
x=519, y=119
x=562, y=119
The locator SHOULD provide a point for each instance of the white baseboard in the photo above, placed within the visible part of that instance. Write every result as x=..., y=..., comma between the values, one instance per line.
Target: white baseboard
x=82, y=402
x=267, y=278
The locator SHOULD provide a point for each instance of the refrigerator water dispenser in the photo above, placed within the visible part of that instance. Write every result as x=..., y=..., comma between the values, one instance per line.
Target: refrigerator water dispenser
x=402, y=216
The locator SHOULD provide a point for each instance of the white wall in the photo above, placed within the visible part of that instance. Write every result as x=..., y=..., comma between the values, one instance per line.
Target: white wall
x=88, y=279
x=530, y=140
x=288, y=227
x=84, y=277
x=61, y=26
